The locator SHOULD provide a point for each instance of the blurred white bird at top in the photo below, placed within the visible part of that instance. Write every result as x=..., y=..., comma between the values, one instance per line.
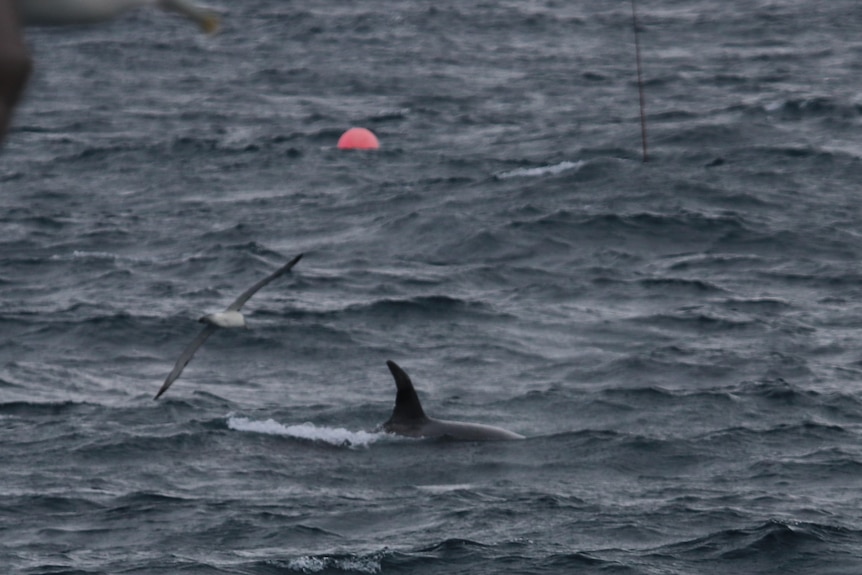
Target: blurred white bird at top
x=72, y=12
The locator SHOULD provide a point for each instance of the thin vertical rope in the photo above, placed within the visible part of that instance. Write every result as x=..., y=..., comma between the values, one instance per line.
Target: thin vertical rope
x=640, y=82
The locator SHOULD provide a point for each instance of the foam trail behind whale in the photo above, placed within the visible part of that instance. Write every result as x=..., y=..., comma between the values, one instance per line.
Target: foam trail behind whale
x=309, y=431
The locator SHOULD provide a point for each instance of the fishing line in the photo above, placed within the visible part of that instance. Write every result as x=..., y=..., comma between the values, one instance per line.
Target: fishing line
x=640, y=81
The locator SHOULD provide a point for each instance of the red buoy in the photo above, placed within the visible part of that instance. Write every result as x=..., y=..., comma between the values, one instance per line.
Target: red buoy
x=358, y=139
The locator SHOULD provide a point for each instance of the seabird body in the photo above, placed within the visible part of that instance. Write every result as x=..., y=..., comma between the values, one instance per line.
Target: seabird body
x=225, y=319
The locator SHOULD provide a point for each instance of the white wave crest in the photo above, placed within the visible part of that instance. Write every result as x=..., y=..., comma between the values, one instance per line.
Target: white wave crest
x=331, y=435
x=311, y=564
x=540, y=171
x=96, y=255
x=83, y=254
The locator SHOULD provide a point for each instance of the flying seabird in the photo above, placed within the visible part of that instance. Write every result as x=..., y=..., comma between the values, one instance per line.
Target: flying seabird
x=71, y=12
x=231, y=317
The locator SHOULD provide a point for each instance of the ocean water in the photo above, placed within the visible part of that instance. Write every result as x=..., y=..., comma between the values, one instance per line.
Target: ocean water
x=678, y=339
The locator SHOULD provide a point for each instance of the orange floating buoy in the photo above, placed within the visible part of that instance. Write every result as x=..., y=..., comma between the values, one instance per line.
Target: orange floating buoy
x=358, y=139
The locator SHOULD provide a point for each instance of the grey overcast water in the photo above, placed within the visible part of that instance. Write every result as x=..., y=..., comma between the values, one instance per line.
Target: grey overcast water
x=678, y=340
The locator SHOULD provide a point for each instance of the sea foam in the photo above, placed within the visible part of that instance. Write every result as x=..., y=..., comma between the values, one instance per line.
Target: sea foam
x=540, y=171
x=332, y=435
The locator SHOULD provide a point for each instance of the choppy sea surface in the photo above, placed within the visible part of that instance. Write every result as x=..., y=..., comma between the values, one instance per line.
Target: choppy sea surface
x=679, y=340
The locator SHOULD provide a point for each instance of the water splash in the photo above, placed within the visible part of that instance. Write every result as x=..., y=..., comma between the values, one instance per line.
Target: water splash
x=332, y=435
x=540, y=171
x=352, y=563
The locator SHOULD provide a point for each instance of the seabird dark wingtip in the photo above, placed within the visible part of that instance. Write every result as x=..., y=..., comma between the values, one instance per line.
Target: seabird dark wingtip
x=163, y=389
x=293, y=262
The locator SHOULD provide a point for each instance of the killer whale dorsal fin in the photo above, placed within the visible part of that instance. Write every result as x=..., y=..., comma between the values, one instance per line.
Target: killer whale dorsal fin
x=407, y=407
x=409, y=419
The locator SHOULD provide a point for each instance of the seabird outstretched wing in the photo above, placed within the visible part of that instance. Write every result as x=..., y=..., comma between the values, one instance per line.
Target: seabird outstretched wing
x=244, y=297
x=185, y=357
x=187, y=354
